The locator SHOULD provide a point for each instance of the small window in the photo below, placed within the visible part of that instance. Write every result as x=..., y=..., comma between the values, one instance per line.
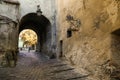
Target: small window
x=69, y=33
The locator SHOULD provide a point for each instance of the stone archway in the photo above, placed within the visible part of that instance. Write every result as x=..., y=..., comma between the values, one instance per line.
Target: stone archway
x=41, y=25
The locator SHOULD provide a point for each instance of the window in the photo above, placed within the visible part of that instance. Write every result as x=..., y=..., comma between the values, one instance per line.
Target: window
x=69, y=33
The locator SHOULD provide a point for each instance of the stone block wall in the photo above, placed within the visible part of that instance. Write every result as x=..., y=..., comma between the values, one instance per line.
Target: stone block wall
x=9, y=15
x=8, y=46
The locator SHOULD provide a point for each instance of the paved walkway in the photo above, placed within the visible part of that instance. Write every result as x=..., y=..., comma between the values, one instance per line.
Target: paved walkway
x=36, y=66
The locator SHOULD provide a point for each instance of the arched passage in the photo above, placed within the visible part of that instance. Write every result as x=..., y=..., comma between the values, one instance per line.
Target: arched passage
x=41, y=25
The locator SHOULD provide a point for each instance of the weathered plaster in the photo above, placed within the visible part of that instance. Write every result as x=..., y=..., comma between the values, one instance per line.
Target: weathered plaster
x=9, y=16
x=89, y=48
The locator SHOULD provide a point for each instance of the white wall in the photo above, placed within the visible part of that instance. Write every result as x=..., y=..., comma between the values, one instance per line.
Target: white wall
x=9, y=10
x=28, y=6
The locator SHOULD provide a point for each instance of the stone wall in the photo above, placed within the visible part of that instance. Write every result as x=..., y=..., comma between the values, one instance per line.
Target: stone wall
x=9, y=15
x=28, y=6
x=8, y=34
x=10, y=9
x=90, y=46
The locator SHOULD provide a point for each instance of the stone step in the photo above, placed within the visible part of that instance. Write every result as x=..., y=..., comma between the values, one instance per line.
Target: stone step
x=58, y=65
x=58, y=71
x=77, y=78
x=68, y=74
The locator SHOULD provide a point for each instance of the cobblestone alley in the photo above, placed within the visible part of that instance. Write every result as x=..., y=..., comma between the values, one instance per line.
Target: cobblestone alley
x=32, y=66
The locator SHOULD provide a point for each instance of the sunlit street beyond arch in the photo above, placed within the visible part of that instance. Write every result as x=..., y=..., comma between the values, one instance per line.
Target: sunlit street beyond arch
x=28, y=40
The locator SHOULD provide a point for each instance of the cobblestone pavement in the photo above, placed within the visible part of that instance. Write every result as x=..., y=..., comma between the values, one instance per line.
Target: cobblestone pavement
x=35, y=66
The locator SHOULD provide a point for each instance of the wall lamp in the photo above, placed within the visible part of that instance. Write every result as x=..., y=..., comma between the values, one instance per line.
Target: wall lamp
x=74, y=23
x=39, y=12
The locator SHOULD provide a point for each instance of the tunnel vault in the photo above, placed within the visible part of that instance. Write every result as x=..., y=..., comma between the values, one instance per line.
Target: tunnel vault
x=41, y=25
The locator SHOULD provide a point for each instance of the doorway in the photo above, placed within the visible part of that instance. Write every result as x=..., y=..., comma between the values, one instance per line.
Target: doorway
x=61, y=48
